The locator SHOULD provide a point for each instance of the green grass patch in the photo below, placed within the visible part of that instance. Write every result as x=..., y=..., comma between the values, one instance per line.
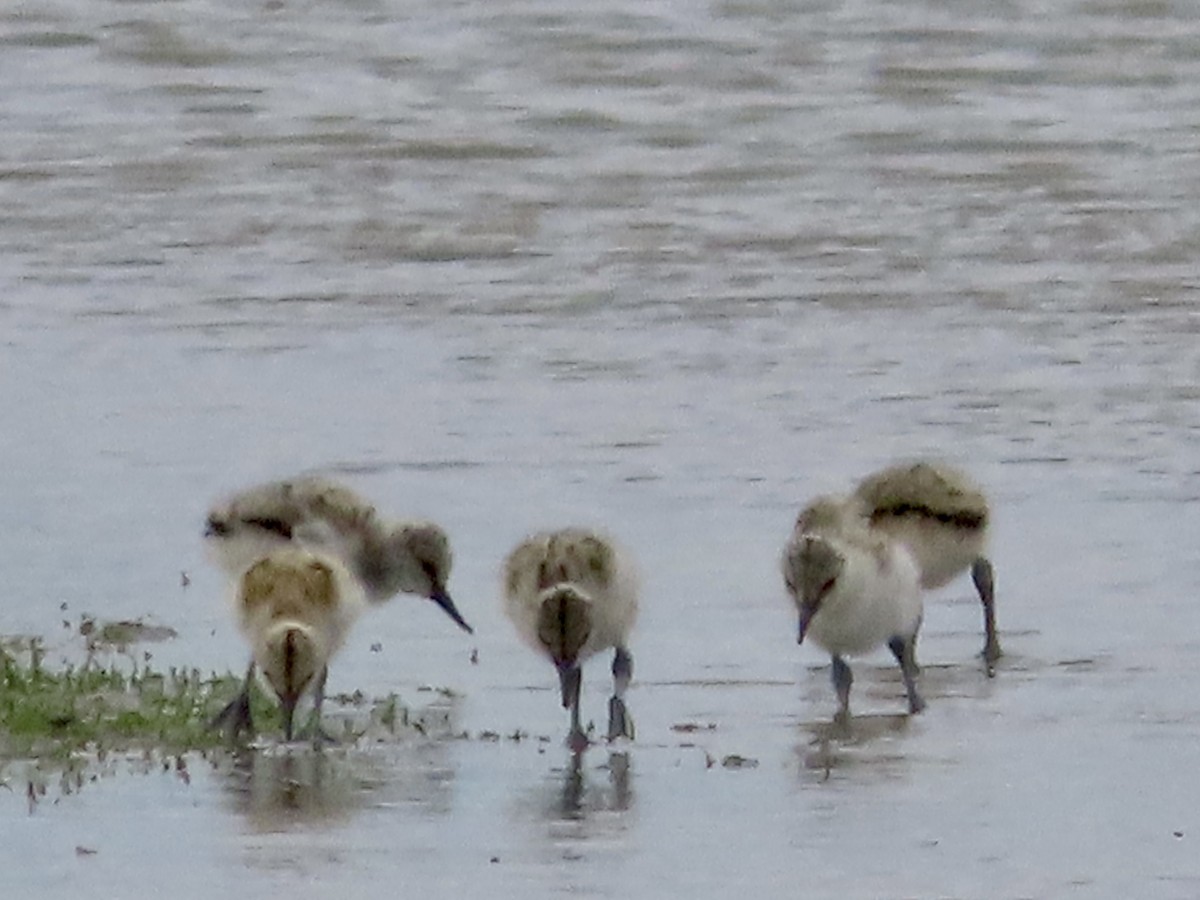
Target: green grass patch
x=114, y=701
x=100, y=707
x=114, y=706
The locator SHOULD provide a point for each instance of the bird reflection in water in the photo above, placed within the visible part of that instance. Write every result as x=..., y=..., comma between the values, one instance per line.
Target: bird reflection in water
x=582, y=794
x=277, y=787
x=865, y=741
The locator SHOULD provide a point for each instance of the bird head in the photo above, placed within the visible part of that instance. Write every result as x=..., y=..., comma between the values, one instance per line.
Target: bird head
x=291, y=660
x=812, y=566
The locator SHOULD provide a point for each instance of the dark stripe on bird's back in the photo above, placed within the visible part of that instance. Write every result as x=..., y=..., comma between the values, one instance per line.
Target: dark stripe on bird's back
x=274, y=525
x=562, y=622
x=289, y=659
x=959, y=518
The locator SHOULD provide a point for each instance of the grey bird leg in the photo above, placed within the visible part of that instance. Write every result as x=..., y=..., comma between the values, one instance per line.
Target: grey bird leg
x=842, y=679
x=620, y=723
x=235, y=716
x=574, y=786
x=571, y=679
x=903, y=651
x=982, y=575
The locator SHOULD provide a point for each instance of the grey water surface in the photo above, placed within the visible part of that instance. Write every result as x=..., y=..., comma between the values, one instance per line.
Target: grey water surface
x=668, y=268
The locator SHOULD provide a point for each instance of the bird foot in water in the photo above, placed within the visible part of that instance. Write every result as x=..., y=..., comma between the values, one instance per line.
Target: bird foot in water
x=620, y=722
x=577, y=741
x=991, y=654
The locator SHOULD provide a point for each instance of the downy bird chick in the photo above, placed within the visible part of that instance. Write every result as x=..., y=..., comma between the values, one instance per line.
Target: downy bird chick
x=853, y=591
x=295, y=608
x=385, y=557
x=942, y=517
x=572, y=594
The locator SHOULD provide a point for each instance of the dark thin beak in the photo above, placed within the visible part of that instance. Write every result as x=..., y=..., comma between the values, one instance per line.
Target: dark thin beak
x=288, y=707
x=568, y=680
x=442, y=599
x=806, y=614
x=213, y=527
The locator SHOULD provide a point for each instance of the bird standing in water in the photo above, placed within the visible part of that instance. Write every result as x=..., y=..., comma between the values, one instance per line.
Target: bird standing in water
x=572, y=594
x=295, y=608
x=942, y=517
x=854, y=590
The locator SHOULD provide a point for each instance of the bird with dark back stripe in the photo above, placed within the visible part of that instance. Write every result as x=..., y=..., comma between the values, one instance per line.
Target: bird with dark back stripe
x=572, y=594
x=309, y=511
x=942, y=517
x=295, y=608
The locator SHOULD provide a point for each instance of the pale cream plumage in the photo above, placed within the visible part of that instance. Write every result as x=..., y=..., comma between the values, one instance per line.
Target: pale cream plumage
x=854, y=590
x=572, y=594
x=295, y=608
x=942, y=517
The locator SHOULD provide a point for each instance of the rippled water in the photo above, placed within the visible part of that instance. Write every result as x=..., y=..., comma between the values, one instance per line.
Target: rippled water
x=667, y=267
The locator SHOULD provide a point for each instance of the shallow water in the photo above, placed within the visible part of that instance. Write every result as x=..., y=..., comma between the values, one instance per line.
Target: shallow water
x=664, y=268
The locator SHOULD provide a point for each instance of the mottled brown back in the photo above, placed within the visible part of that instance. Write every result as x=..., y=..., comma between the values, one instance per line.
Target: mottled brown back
x=341, y=507
x=283, y=506
x=288, y=587
x=578, y=556
x=924, y=489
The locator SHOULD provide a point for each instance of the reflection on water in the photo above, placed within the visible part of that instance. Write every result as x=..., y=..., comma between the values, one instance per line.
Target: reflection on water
x=582, y=800
x=277, y=788
x=677, y=267
x=582, y=795
x=873, y=740
x=868, y=741
x=879, y=745
x=280, y=788
x=578, y=821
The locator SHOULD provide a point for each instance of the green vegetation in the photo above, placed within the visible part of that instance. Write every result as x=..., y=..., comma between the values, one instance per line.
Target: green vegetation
x=115, y=702
x=100, y=708
x=113, y=706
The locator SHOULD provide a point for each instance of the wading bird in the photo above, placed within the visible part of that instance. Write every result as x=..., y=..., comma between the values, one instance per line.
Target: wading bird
x=295, y=608
x=385, y=557
x=854, y=590
x=573, y=594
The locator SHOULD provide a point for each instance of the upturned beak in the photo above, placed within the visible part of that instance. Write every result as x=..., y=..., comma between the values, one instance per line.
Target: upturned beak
x=442, y=598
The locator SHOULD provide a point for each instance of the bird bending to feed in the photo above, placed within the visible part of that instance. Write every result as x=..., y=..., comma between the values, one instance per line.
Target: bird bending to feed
x=294, y=607
x=313, y=512
x=854, y=590
x=942, y=516
x=573, y=594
